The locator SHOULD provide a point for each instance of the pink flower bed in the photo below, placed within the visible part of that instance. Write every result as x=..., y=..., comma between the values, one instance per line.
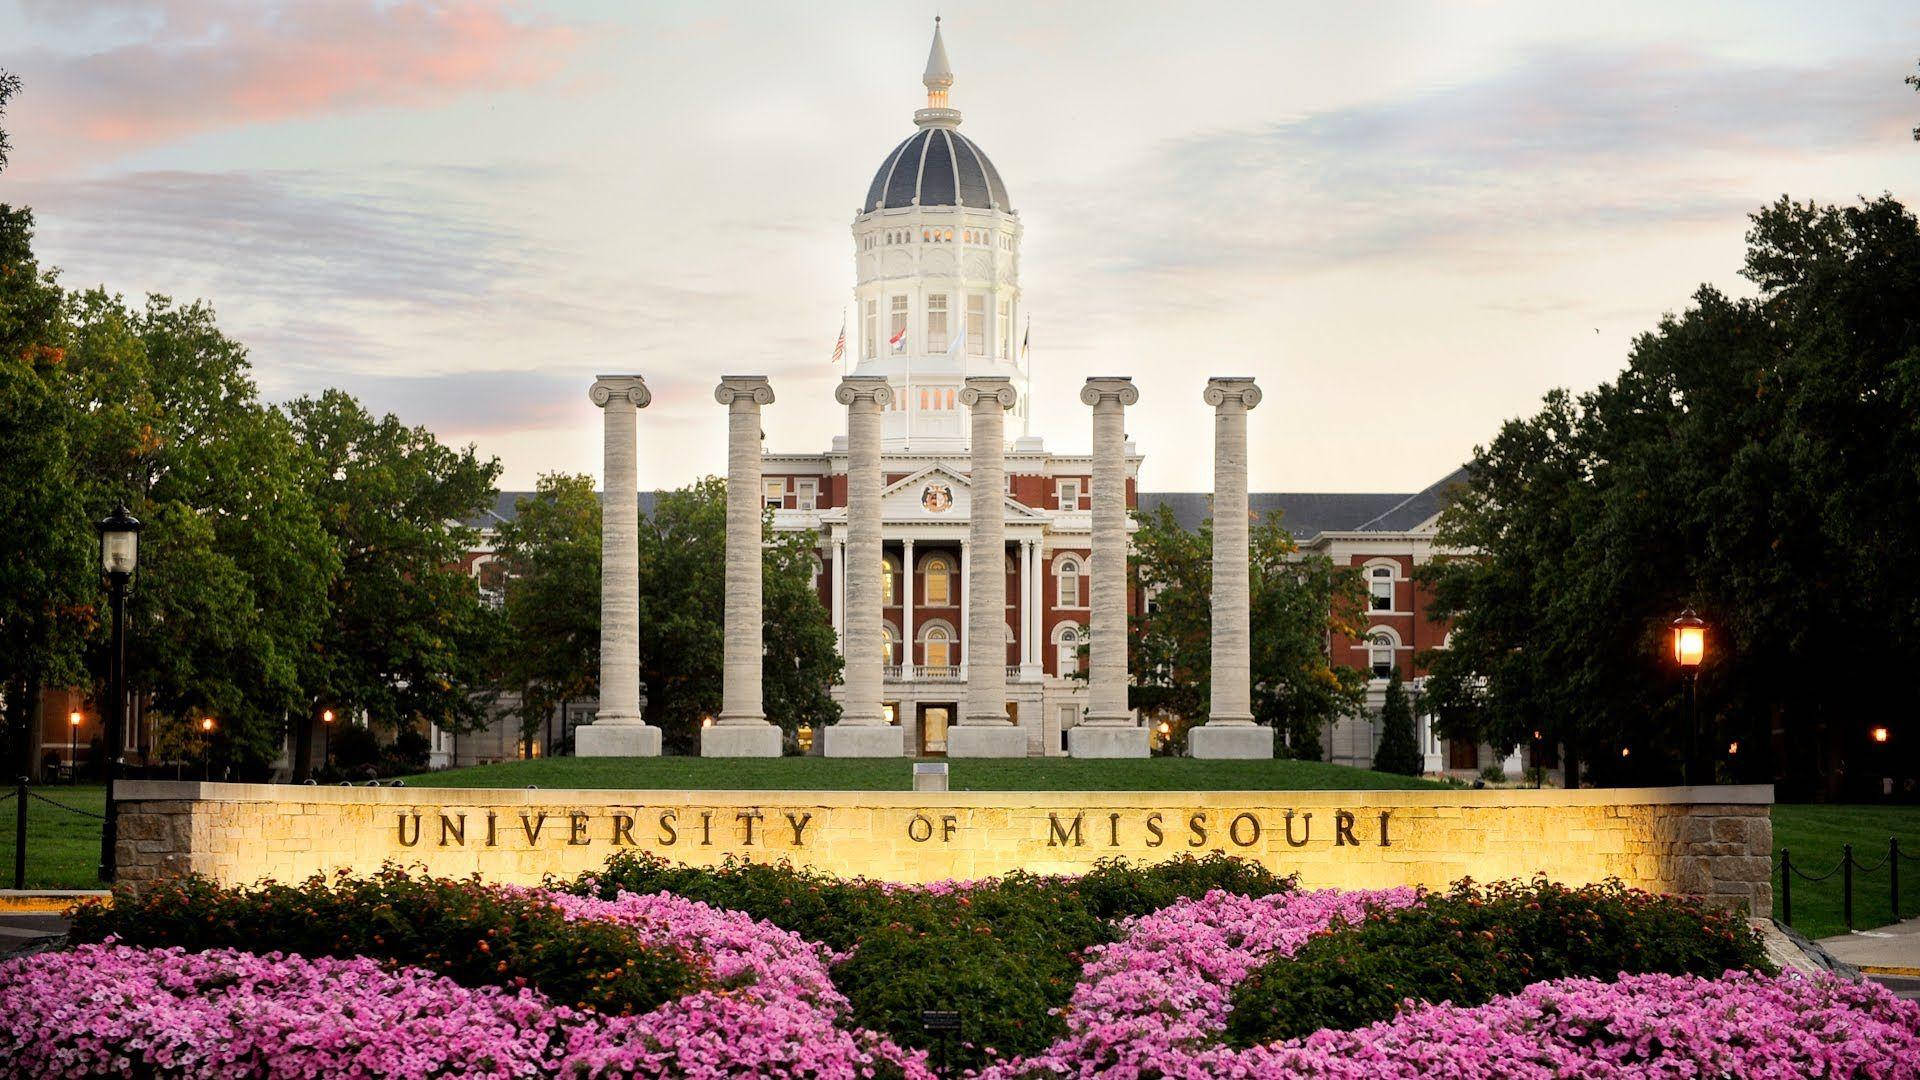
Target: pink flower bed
x=1167, y=985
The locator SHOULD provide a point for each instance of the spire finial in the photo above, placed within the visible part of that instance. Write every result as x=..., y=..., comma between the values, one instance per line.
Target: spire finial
x=938, y=80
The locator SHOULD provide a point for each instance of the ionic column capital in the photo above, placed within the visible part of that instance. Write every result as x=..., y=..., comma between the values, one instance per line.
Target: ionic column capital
x=1229, y=391
x=856, y=388
x=988, y=387
x=754, y=387
x=606, y=388
x=1109, y=388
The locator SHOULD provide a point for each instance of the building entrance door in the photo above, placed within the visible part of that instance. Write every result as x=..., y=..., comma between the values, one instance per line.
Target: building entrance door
x=933, y=729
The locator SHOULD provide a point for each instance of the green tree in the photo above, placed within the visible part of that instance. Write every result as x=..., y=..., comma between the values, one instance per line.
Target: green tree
x=1295, y=602
x=409, y=640
x=230, y=591
x=682, y=615
x=550, y=652
x=1755, y=461
x=49, y=585
x=1399, y=751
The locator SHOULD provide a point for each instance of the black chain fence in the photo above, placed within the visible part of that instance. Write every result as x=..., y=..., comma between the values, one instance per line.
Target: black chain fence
x=26, y=798
x=1847, y=868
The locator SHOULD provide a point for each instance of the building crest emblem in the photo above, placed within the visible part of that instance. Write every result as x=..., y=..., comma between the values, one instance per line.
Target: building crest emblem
x=937, y=498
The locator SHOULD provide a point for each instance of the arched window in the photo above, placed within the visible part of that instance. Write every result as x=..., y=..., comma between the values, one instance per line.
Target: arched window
x=889, y=581
x=1381, y=643
x=939, y=647
x=1380, y=587
x=888, y=638
x=1066, y=643
x=939, y=582
x=1067, y=577
x=819, y=568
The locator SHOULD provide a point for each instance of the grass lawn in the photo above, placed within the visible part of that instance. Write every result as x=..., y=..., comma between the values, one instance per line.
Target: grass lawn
x=63, y=848
x=895, y=774
x=1814, y=834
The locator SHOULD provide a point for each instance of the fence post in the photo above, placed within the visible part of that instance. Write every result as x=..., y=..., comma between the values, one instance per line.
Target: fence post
x=1893, y=875
x=1846, y=884
x=1786, y=886
x=20, y=835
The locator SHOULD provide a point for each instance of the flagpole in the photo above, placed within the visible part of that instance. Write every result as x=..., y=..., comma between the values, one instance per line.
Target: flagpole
x=1026, y=421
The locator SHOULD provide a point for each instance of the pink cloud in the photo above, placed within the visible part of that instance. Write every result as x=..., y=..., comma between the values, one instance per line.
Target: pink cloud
x=189, y=66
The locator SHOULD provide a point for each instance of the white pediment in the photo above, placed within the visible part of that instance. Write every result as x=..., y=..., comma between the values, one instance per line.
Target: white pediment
x=938, y=494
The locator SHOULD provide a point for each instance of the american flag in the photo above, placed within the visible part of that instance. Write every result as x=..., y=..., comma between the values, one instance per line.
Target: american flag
x=840, y=346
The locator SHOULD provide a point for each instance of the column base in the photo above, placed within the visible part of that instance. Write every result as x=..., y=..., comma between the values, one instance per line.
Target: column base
x=1237, y=742
x=601, y=739
x=740, y=740
x=1001, y=740
x=862, y=740
x=1101, y=741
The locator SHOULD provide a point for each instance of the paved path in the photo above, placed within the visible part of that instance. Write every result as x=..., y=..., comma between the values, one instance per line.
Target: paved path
x=1889, y=956
x=20, y=931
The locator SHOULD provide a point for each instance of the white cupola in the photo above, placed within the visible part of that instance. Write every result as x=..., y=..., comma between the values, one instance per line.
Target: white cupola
x=937, y=258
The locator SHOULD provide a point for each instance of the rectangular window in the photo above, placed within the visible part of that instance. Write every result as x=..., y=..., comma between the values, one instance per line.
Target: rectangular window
x=923, y=399
x=804, y=492
x=776, y=493
x=937, y=323
x=1068, y=494
x=1006, y=328
x=870, y=343
x=897, y=324
x=976, y=324
x=1380, y=589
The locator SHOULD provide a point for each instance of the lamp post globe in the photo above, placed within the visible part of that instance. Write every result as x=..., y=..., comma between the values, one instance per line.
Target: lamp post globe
x=1689, y=632
x=119, y=558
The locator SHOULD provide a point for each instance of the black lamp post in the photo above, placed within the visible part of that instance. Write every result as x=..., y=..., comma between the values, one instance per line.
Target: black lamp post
x=119, y=556
x=326, y=738
x=1689, y=649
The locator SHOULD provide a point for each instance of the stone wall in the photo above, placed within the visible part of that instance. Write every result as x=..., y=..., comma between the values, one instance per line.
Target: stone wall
x=1707, y=841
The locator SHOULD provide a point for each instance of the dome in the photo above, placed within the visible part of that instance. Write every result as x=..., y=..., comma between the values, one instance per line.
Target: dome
x=937, y=166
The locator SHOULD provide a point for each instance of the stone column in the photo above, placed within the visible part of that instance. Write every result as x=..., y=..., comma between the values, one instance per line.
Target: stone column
x=839, y=588
x=1230, y=731
x=963, y=643
x=742, y=729
x=863, y=730
x=1109, y=729
x=619, y=730
x=906, y=612
x=984, y=729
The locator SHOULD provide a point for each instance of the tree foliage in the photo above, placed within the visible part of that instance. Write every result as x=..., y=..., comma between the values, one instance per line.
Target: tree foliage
x=1295, y=602
x=682, y=618
x=1399, y=750
x=408, y=638
x=1754, y=461
x=550, y=651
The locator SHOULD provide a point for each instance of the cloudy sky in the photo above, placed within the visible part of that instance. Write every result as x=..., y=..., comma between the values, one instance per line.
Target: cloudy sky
x=1407, y=219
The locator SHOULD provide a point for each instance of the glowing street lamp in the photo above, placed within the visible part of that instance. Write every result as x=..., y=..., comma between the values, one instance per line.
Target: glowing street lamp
x=1880, y=734
x=1689, y=650
x=119, y=558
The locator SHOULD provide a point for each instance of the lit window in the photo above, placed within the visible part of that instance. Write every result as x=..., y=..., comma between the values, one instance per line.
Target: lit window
x=939, y=647
x=937, y=323
x=1005, y=326
x=977, y=324
x=939, y=582
x=897, y=320
x=1380, y=588
x=889, y=580
x=776, y=493
x=886, y=644
x=1068, y=579
x=871, y=341
x=923, y=399
x=949, y=400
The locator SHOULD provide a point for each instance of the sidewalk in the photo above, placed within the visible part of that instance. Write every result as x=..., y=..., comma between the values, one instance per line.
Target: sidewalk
x=1889, y=956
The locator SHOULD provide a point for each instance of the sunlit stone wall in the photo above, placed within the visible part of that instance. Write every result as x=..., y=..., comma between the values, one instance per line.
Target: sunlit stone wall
x=1710, y=841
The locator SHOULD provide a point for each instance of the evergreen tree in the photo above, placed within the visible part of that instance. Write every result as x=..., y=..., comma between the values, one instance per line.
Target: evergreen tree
x=1398, y=752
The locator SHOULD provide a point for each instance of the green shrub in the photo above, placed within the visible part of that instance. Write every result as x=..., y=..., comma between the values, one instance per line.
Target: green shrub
x=1474, y=943
x=475, y=934
x=1003, y=953
x=1399, y=750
